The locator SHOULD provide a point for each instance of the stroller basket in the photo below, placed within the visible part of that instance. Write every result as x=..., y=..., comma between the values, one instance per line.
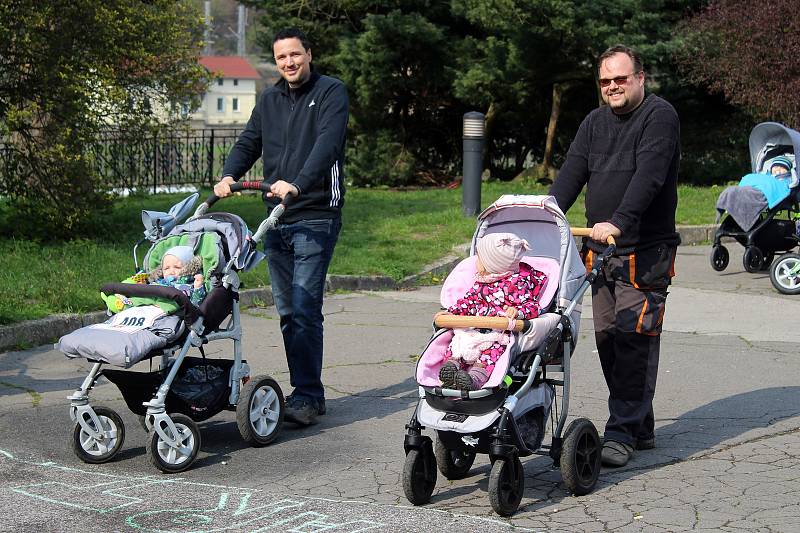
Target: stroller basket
x=198, y=399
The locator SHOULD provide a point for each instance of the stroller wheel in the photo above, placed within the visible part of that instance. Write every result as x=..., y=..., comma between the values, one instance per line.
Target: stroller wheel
x=753, y=259
x=506, y=485
x=100, y=447
x=769, y=257
x=419, y=475
x=453, y=464
x=719, y=258
x=785, y=274
x=180, y=450
x=259, y=412
x=580, y=457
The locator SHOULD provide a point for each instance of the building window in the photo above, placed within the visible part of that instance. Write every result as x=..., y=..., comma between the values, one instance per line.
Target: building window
x=235, y=82
x=236, y=104
x=220, y=104
x=219, y=82
x=184, y=110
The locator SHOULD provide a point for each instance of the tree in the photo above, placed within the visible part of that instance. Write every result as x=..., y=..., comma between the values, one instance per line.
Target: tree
x=547, y=64
x=748, y=52
x=71, y=68
x=414, y=67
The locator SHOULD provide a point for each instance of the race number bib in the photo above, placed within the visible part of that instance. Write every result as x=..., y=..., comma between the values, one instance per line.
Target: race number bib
x=133, y=319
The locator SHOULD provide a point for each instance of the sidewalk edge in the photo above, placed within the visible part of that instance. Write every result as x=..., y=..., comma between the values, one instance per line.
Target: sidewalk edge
x=31, y=333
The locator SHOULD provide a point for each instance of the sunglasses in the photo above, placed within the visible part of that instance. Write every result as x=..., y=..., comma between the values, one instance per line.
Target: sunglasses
x=619, y=80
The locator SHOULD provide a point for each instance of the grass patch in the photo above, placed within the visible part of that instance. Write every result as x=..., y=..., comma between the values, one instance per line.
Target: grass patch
x=385, y=232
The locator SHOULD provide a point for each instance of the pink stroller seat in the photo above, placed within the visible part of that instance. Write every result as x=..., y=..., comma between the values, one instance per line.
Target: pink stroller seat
x=455, y=285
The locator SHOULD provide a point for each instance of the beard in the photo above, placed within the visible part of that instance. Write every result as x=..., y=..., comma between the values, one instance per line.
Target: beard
x=617, y=103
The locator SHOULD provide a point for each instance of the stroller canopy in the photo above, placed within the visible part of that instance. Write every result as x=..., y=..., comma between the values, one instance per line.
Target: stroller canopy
x=538, y=220
x=767, y=136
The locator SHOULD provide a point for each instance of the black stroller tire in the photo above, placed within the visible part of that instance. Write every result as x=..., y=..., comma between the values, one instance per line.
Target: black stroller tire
x=260, y=410
x=719, y=258
x=506, y=485
x=782, y=276
x=419, y=475
x=769, y=257
x=92, y=451
x=453, y=464
x=580, y=457
x=165, y=457
x=753, y=259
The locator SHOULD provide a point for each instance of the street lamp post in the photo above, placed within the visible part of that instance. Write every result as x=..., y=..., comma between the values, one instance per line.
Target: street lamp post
x=473, y=163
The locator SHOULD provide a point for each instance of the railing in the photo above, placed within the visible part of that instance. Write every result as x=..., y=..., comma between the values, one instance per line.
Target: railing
x=195, y=157
x=126, y=162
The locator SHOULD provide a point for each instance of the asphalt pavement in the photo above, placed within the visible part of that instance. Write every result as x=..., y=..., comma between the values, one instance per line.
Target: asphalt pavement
x=727, y=410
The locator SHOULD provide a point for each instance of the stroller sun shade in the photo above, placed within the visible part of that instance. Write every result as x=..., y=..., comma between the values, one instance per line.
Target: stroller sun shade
x=157, y=223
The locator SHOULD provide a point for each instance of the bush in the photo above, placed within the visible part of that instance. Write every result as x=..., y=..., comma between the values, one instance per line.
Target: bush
x=379, y=160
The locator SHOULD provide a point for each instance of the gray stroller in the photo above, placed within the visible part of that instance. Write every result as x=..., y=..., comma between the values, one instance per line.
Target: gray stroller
x=506, y=418
x=183, y=390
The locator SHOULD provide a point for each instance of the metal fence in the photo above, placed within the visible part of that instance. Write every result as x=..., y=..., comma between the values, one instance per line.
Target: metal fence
x=195, y=158
x=126, y=162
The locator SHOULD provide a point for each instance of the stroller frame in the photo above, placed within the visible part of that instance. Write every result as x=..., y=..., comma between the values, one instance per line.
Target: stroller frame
x=174, y=438
x=770, y=235
x=576, y=450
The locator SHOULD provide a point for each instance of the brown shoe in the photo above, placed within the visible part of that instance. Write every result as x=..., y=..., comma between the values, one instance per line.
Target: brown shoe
x=616, y=453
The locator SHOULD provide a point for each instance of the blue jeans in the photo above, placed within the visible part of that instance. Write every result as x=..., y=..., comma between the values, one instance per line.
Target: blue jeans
x=298, y=255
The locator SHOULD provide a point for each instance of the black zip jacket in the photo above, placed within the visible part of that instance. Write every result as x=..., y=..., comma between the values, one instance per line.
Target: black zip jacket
x=300, y=136
x=629, y=165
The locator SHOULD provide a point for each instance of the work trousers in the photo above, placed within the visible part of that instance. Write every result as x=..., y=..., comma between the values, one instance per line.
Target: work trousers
x=628, y=302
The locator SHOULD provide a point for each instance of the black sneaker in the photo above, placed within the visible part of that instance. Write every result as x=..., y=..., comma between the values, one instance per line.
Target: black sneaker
x=646, y=443
x=321, y=407
x=302, y=410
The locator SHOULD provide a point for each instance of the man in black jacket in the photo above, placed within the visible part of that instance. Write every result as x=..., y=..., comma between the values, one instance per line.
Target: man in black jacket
x=298, y=129
x=626, y=153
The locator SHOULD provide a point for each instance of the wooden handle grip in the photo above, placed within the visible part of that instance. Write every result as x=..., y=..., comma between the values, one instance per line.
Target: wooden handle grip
x=492, y=322
x=585, y=232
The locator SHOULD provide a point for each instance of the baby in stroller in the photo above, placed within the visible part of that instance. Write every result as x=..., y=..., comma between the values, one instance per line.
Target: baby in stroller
x=182, y=270
x=503, y=287
x=760, y=212
x=185, y=295
x=505, y=418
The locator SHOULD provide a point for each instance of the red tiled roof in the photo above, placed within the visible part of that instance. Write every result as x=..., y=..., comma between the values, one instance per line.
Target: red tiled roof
x=230, y=67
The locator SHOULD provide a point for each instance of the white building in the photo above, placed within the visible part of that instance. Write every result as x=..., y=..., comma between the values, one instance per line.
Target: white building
x=231, y=98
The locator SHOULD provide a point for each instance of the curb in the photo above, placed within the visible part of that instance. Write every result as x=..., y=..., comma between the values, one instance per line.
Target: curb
x=45, y=330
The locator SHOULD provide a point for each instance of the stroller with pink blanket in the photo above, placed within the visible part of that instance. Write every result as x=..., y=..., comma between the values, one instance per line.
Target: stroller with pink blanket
x=506, y=418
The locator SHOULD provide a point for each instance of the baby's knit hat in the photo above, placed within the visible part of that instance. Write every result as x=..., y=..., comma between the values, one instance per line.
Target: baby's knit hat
x=184, y=253
x=501, y=252
x=782, y=161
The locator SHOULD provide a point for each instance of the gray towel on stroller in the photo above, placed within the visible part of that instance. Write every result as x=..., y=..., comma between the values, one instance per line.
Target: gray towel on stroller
x=744, y=204
x=119, y=347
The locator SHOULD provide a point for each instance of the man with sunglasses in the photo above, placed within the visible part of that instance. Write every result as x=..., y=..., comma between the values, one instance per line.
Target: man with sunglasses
x=626, y=154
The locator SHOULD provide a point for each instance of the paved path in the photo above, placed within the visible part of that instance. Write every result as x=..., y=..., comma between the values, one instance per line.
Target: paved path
x=728, y=426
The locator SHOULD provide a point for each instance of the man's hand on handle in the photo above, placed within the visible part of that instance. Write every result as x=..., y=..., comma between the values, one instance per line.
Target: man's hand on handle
x=223, y=187
x=602, y=230
x=281, y=188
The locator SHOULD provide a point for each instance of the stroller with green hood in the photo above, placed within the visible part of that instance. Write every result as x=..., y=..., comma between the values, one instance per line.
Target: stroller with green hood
x=150, y=321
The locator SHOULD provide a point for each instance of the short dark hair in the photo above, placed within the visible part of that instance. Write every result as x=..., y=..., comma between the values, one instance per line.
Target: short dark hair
x=621, y=49
x=293, y=33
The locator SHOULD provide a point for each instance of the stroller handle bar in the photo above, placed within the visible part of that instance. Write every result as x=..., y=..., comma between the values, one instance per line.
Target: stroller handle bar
x=268, y=223
x=492, y=322
x=586, y=232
